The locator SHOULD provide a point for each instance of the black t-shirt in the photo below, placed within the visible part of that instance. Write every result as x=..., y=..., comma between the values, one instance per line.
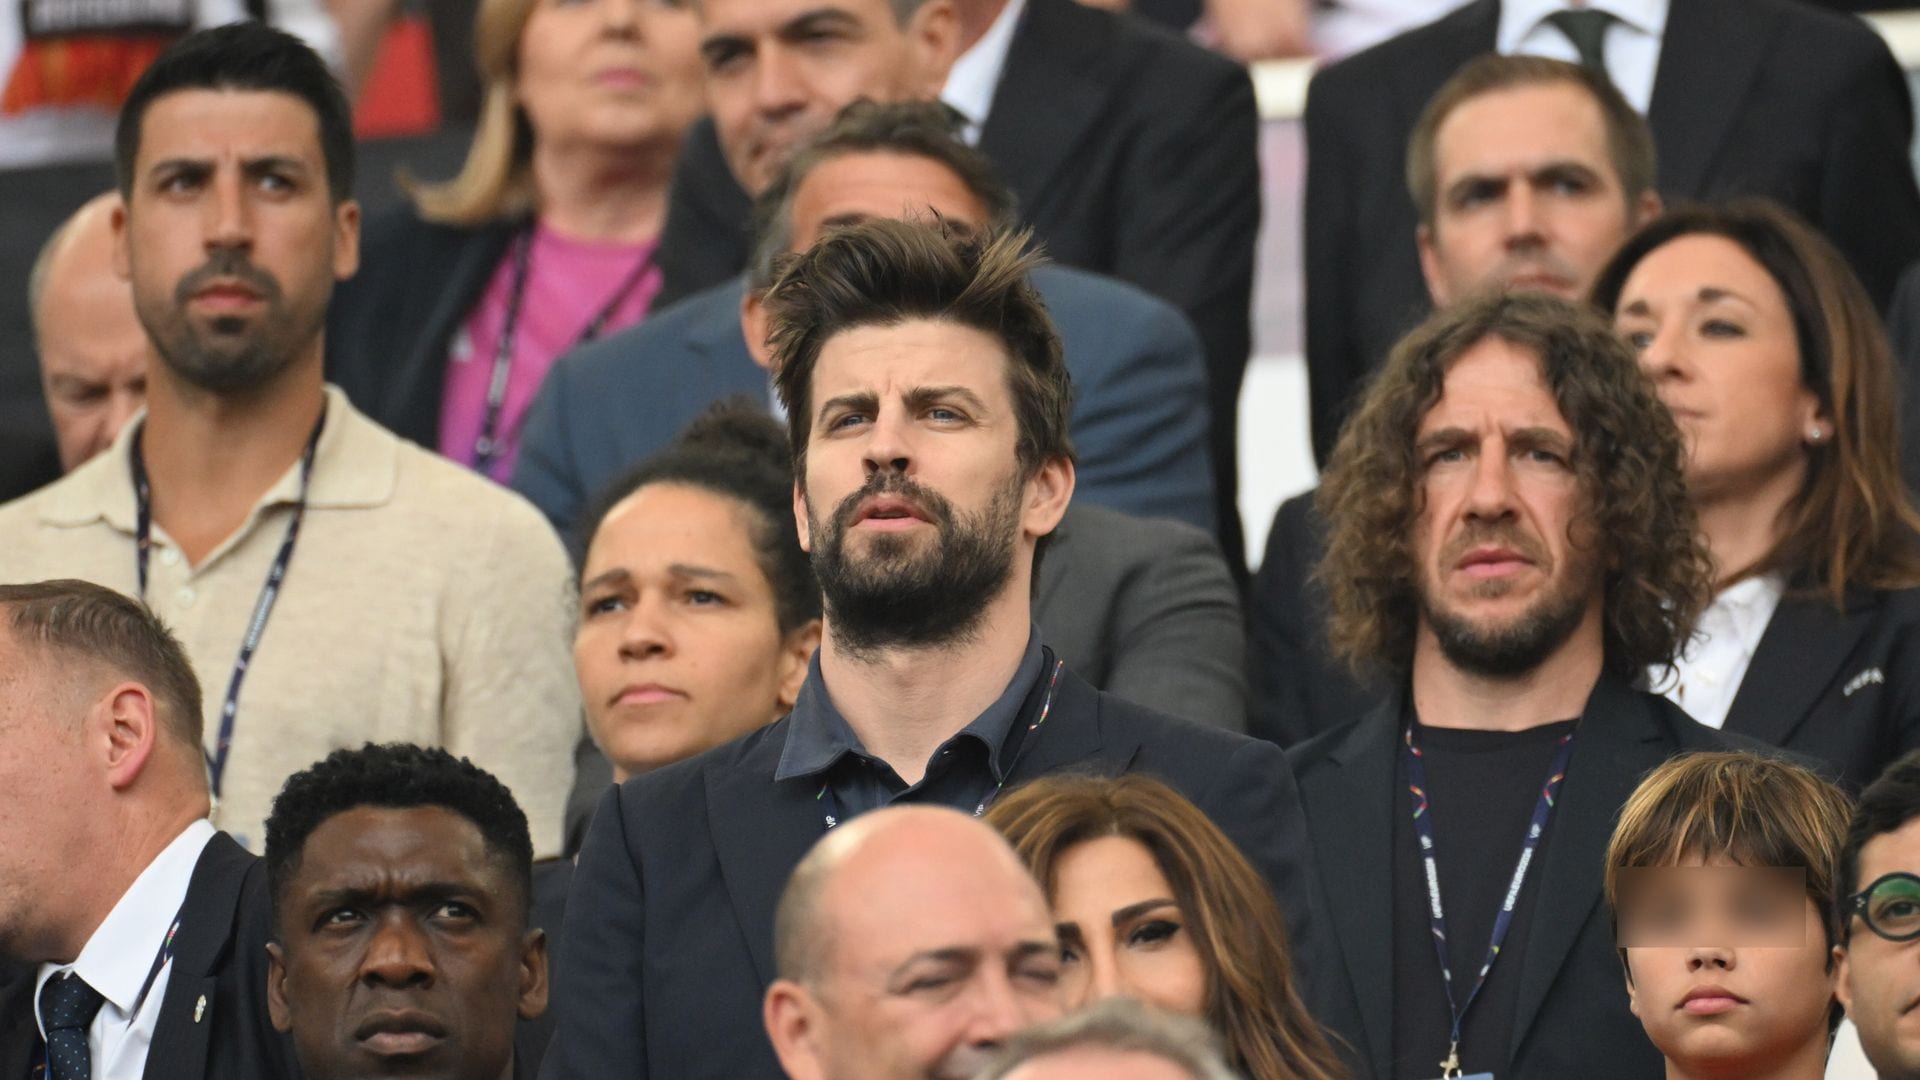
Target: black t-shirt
x=1481, y=789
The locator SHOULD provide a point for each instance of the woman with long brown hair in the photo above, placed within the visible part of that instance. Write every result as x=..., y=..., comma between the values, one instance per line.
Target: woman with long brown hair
x=1772, y=358
x=545, y=239
x=1154, y=902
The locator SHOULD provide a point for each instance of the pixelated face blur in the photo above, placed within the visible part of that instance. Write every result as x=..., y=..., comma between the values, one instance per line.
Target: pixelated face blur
x=1526, y=196
x=1727, y=965
x=779, y=70
x=613, y=73
x=1879, y=980
x=679, y=646
x=1100, y=1063
x=231, y=237
x=403, y=949
x=43, y=790
x=933, y=967
x=1504, y=580
x=1122, y=933
x=1714, y=331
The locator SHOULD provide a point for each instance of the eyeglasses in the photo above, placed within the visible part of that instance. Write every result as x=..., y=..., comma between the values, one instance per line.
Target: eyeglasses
x=1890, y=906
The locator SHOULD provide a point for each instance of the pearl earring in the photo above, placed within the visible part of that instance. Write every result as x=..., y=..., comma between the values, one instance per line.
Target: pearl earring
x=1816, y=435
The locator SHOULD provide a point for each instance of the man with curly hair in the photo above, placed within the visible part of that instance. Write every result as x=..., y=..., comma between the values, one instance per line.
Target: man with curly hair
x=1510, y=542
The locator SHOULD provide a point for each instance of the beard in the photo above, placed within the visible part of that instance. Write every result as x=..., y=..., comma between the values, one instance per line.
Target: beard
x=906, y=593
x=1509, y=649
x=229, y=355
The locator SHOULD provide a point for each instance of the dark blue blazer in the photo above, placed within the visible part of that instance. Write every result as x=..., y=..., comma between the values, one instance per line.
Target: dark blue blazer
x=669, y=932
x=1139, y=420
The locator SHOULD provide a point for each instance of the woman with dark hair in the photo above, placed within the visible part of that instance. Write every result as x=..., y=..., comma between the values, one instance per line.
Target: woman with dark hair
x=1154, y=902
x=698, y=609
x=1772, y=358
x=547, y=236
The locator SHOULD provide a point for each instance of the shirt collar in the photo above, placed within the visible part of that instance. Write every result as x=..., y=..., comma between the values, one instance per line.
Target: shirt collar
x=356, y=464
x=119, y=956
x=1518, y=18
x=974, y=77
x=818, y=736
x=1748, y=605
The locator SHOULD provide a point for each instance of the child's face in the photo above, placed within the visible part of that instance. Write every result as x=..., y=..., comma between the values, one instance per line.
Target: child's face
x=1725, y=964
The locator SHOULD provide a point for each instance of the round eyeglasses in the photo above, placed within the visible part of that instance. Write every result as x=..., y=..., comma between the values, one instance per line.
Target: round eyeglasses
x=1890, y=906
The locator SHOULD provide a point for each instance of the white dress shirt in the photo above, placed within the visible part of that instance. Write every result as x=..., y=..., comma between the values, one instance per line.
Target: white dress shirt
x=976, y=75
x=1631, y=46
x=118, y=956
x=1711, y=667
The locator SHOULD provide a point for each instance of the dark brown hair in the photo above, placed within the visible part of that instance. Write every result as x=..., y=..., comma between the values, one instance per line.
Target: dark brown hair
x=1853, y=523
x=1628, y=456
x=77, y=623
x=1629, y=139
x=1235, y=921
x=883, y=272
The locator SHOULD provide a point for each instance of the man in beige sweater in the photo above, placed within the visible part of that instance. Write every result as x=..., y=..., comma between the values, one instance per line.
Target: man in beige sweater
x=332, y=584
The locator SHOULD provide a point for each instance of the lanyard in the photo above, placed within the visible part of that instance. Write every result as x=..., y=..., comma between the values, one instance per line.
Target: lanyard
x=262, y=607
x=487, y=446
x=1429, y=859
x=159, y=961
x=830, y=802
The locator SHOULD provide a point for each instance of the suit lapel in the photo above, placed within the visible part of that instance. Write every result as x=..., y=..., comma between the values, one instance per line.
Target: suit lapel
x=19, y=1036
x=1617, y=741
x=1051, y=59
x=1710, y=54
x=1073, y=736
x=1349, y=810
x=180, y=1038
x=761, y=829
x=1447, y=43
x=423, y=373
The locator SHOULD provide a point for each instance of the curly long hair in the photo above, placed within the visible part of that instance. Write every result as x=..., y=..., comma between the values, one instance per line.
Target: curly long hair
x=1853, y=522
x=1252, y=1001
x=1628, y=455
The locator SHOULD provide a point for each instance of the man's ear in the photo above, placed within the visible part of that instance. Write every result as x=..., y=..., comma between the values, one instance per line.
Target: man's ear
x=1647, y=207
x=346, y=239
x=1843, y=978
x=792, y=1019
x=934, y=31
x=796, y=655
x=1048, y=491
x=800, y=522
x=277, y=1009
x=122, y=265
x=753, y=327
x=533, y=974
x=124, y=730
x=1430, y=269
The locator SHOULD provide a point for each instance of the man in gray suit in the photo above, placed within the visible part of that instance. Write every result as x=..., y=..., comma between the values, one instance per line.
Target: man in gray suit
x=1143, y=608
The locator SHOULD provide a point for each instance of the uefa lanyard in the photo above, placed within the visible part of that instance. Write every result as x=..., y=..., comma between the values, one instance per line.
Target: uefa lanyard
x=487, y=446
x=1423, y=827
x=830, y=802
x=262, y=607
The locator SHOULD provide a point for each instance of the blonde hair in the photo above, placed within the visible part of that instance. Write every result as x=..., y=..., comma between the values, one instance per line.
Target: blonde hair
x=496, y=182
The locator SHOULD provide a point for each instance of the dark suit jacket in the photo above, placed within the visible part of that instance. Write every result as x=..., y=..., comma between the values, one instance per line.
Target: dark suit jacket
x=219, y=955
x=669, y=940
x=1571, y=1021
x=389, y=326
x=1903, y=330
x=1838, y=687
x=1133, y=153
x=1139, y=417
x=1760, y=97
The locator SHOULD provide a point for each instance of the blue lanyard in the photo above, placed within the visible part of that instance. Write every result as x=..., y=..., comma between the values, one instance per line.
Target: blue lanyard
x=830, y=802
x=1429, y=859
x=262, y=607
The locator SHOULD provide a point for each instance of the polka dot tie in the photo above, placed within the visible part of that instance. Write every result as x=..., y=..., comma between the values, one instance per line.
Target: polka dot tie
x=67, y=1008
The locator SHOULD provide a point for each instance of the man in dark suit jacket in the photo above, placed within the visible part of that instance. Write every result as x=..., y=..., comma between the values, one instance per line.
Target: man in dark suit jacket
x=1488, y=783
x=930, y=476
x=1133, y=153
x=134, y=913
x=1763, y=97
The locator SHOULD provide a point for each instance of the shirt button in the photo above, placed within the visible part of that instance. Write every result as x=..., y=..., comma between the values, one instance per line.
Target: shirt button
x=185, y=596
x=170, y=556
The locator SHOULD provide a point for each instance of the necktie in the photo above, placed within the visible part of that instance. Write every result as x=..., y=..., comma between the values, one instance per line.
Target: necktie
x=67, y=1008
x=1587, y=29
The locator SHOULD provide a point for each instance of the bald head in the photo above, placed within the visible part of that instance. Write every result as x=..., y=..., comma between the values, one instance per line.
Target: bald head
x=911, y=943
x=93, y=350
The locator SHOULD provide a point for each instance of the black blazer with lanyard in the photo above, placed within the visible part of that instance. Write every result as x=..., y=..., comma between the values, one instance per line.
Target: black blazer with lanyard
x=213, y=1021
x=1838, y=685
x=1571, y=1021
x=1753, y=97
x=668, y=944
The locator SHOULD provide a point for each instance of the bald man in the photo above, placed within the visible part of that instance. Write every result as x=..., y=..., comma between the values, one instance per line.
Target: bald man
x=93, y=350
x=911, y=943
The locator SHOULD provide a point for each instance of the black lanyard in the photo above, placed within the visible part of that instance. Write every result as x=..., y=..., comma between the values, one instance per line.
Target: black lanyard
x=262, y=607
x=830, y=802
x=487, y=446
x=1429, y=859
